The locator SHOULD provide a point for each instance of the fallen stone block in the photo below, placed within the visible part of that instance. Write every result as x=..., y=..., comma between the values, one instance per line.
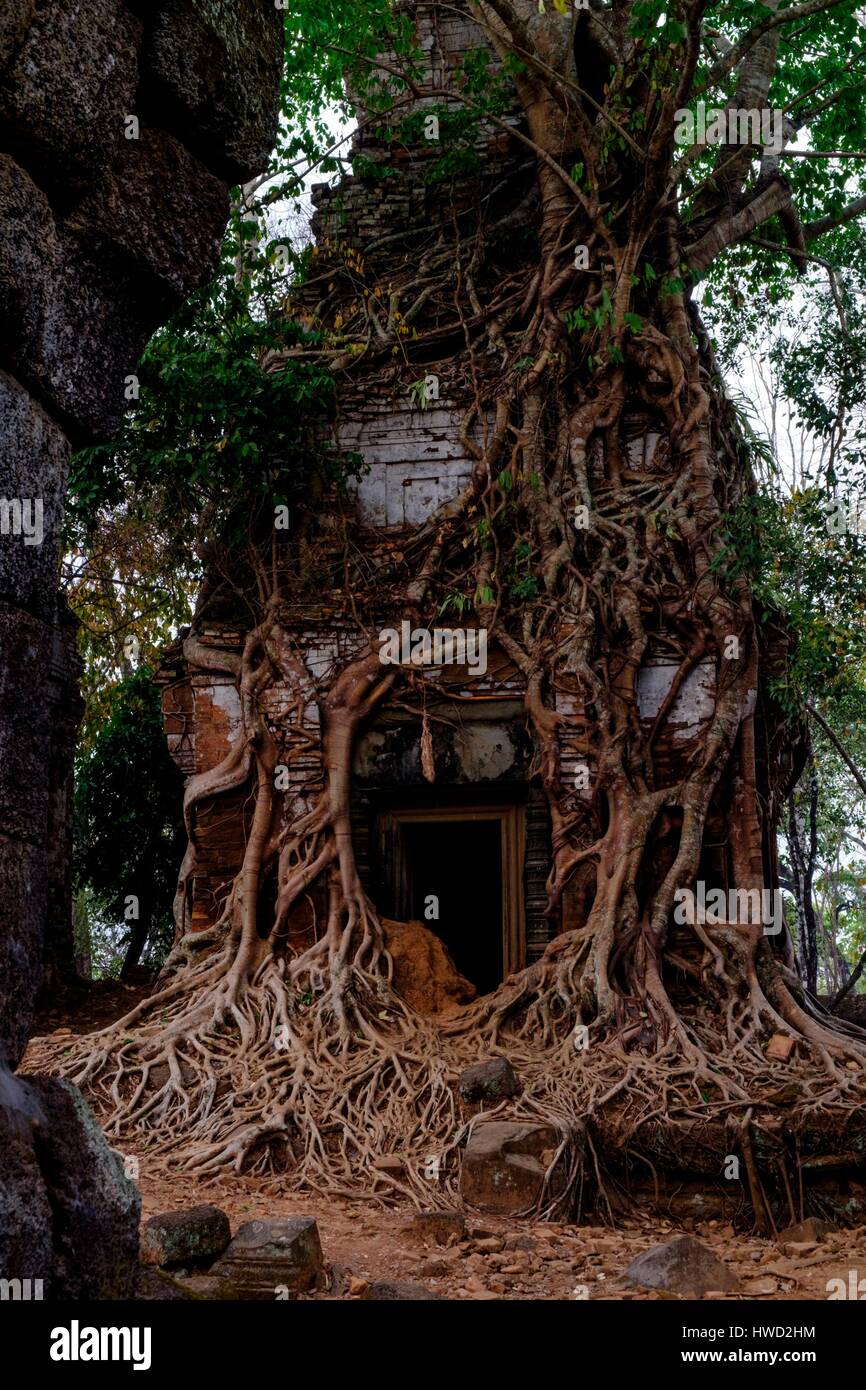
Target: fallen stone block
x=504, y=1164
x=780, y=1047
x=812, y=1229
x=194, y=1236
x=490, y=1081
x=267, y=1257
x=684, y=1266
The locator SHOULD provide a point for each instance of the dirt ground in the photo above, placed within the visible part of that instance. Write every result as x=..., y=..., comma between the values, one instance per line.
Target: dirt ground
x=511, y=1259
x=366, y=1241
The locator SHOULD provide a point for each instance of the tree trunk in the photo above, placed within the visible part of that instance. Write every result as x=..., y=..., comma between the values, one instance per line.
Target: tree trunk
x=139, y=930
x=803, y=857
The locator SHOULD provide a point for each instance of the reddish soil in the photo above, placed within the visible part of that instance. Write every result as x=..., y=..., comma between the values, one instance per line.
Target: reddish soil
x=92, y=1006
x=368, y=1241
x=375, y=1244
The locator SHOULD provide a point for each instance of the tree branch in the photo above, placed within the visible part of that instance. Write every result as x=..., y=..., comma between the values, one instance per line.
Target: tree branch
x=852, y=768
x=849, y=984
x=802, y=255
x=729, y=61
x=767, y=204
x=813, y=230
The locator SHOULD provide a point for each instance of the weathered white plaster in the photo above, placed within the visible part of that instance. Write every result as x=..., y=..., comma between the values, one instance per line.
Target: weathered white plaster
x=485, y=751
x=416, y=461
x=694, y=703
x=226, y=698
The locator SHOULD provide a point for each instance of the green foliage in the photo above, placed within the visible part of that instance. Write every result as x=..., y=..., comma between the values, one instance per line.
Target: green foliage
x=419, y=393
x=456, y=163
x=223, y=432
x=128, y=822
x=224, y=418
x=522, y=582
x=456, y=602
x=330, y=47
x=815, y=580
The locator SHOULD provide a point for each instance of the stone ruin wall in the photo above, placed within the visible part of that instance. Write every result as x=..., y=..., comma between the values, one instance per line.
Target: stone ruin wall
x=415, y=461
x=101, y=237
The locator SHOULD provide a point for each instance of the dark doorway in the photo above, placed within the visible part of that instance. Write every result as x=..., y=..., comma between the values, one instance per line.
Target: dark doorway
x=469, y=858
x=459, y=863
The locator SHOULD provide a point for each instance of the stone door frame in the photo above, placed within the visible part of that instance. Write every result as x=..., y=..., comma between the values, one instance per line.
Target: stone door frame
x=511, y=818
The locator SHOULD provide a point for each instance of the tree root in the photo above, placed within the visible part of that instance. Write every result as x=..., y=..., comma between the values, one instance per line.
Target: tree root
x=262, y=1079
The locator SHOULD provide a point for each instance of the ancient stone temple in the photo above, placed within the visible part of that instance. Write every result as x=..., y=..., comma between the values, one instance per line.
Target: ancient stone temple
x=445, y=801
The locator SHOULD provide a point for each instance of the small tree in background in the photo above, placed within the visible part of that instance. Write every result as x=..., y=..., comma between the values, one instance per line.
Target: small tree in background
x=128, y=831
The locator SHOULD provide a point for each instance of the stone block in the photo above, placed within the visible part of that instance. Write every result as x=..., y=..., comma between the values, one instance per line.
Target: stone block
x=25, y=727
x=211, y=69
x=95, y=327
x=488, y=1082
x=75, y=325
x=195, y=1235
x=64, y=96
x=28, y=251
x=25, y=1211
x=780, y=1047
x=179, y=249
x=96, y=1208
x=812, y=1230
x=265, y=1256
x=504, y=1164
x=75, y=1224
x=33, y=462
x=15, y=16
x=683, y=1266
x=24, y=898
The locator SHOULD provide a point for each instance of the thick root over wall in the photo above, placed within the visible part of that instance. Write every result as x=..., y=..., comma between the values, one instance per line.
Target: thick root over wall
x=310, y=1066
